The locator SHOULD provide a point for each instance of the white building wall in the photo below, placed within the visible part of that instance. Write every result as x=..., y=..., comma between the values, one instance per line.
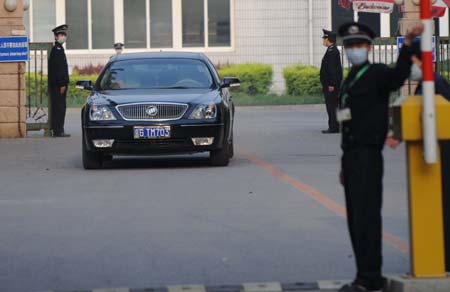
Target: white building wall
x=274, y=32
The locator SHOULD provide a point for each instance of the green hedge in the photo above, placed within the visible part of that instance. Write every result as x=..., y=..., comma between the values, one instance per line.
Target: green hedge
x=255, y=78
x=302, y=80
x=35, y=81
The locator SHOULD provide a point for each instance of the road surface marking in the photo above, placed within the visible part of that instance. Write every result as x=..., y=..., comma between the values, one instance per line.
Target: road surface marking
x=322, y=199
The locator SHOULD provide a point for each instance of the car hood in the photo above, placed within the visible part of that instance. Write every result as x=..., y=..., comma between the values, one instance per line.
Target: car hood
x=190, y=96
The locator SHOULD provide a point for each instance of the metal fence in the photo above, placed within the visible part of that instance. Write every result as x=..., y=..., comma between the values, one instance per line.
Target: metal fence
x=443, y=57
x=385, y=51
x=38, y=101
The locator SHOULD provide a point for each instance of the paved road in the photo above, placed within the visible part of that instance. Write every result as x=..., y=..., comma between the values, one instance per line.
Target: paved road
x=272, y=215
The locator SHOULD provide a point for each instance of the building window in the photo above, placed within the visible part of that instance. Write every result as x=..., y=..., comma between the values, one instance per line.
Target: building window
x=144, y=24
x=44, y=20
x=161, y=24
x=372, y=20
x=77, y=20
x=193, y=23
x=340, y=15
x=219, y=23
x=102, y=24
x=135, y=23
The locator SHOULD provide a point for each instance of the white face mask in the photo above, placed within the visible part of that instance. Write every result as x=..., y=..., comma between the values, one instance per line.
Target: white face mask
x=62, y=40
x=416, y=73
x=357, y=56
x=118, y=51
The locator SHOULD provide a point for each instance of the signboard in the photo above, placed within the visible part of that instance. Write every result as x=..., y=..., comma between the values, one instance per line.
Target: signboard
x=14, y=49
x=373, y=6
x=401, y=40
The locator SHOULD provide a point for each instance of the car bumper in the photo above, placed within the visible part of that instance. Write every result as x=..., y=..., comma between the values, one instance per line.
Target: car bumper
x=179, y=142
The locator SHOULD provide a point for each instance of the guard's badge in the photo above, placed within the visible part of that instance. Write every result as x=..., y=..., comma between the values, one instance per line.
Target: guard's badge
x=353, y=29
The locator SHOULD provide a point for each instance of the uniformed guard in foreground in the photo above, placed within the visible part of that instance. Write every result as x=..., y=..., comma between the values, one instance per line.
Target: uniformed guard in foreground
x=363, y=114
x=331, y=78
x=58, y=80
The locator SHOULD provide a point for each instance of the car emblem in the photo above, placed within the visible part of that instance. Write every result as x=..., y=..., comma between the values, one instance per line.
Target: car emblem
x=151, y=111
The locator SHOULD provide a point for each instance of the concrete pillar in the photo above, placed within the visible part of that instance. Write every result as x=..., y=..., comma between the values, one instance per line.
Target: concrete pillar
x=410, y=16
x=12, y=78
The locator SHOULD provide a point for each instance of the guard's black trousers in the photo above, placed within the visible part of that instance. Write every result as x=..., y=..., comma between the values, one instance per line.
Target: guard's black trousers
x=445, y=157
x=331, y=101
x=363, y=174
x=58, y=109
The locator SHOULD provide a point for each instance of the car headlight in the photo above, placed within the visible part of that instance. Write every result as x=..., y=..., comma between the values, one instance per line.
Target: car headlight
x=204, y=111
x=101, y=113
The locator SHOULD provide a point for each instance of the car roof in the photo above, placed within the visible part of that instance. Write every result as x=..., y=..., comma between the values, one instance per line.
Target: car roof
x=159, y=55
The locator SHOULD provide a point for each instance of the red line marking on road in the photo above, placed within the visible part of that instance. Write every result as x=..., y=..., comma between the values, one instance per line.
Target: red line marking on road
x=320, y=198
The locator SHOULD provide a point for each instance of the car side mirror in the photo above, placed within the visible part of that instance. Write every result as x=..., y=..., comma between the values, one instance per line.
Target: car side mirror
x=84, y=84
x=230, y=82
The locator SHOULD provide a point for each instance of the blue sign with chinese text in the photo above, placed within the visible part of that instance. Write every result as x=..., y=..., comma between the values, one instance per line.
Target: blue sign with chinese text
x=401, y=40
x=14, y=49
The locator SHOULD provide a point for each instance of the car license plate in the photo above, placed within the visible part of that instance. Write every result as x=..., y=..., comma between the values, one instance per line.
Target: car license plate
x=160, y=132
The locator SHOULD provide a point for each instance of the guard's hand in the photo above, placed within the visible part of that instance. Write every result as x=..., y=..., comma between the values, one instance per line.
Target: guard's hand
x=415, y=31
x=330, y=88
x=62, y=90
x=391, y=141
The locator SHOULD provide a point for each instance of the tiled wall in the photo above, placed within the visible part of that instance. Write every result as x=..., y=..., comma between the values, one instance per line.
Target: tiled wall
x=274, y=32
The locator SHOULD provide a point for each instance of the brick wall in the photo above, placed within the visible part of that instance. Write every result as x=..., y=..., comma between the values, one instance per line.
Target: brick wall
x=12, y=81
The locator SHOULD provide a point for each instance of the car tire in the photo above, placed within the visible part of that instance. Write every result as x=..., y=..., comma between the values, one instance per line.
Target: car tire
x=220, y=157
x=231, y=146
x=91, y=160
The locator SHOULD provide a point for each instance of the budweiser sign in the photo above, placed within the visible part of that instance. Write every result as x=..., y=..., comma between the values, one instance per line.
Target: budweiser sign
x=373, y=6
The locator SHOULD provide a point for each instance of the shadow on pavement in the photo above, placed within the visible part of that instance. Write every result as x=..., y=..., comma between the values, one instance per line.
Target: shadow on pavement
x=158, y=162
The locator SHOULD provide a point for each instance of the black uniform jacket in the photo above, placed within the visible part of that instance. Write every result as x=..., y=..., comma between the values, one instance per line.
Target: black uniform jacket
x=58, y=71
x=368, y=101
x=331, y=68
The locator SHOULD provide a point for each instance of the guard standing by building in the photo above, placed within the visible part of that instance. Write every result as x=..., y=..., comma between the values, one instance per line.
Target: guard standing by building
x=118, y=47
x=363, y=113
x=58, y=80
x=331, y=78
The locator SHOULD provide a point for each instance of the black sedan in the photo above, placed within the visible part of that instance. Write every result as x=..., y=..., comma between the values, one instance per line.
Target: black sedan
x=158, y=103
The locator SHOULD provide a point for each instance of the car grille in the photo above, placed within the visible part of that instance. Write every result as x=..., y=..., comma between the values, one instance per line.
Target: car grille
x=152, y=111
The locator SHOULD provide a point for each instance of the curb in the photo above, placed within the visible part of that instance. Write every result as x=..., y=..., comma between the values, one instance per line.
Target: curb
x=245, y=287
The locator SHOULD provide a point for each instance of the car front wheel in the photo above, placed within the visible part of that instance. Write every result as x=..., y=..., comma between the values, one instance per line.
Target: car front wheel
x=231, y=146
x=221, y=157
x=91, y=160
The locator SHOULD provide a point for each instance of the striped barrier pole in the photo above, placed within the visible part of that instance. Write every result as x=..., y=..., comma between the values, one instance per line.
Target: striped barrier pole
x=428, y=114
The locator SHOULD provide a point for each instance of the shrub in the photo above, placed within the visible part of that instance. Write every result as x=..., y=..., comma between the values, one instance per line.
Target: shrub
x=255, y=78
x=87, y=70
x=220, y=65
x=302, y=80
x=37, y=84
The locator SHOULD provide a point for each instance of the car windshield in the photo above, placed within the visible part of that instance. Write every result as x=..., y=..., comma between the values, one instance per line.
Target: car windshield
x=156, y=74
